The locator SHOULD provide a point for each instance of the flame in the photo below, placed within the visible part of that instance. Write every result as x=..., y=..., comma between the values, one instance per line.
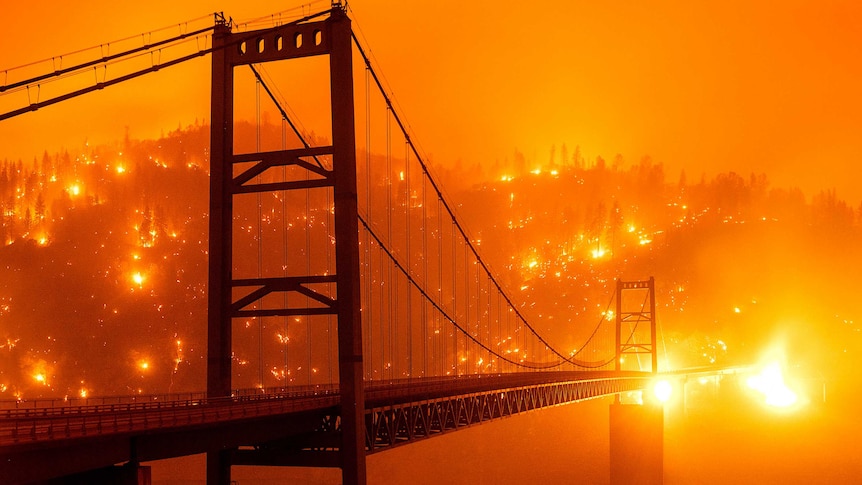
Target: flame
x=39, y=370
x=770, y=383
x=180, y=355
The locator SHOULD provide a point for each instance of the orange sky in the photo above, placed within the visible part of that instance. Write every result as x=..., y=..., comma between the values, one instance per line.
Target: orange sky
x=747, y=86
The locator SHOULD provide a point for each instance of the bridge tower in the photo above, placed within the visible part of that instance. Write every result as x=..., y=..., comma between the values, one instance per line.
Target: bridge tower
x=636, y=305
x=636, y=431
x=232, y=174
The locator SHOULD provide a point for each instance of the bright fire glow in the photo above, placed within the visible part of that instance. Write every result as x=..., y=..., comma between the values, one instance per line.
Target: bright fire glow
x=770, y=383
x=662, y=390
x=180, y=355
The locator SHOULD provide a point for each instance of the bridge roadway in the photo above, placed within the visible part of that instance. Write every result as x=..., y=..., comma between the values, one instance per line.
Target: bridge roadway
x=40, y=440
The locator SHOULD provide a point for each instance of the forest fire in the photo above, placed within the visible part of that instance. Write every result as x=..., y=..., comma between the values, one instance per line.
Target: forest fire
x=104, y=248
x=575, y=249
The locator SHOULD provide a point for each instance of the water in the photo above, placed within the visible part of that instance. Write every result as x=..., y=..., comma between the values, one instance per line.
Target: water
x=731, y=440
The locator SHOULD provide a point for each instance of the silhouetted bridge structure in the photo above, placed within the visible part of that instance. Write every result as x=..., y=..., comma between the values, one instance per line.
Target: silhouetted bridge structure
x=303, y=423
x=391, y=295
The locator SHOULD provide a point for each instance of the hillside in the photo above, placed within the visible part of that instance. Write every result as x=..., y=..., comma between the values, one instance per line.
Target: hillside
x=104, y=260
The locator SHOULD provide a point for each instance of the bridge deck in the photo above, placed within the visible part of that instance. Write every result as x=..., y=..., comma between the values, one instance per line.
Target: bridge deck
x=305, y=423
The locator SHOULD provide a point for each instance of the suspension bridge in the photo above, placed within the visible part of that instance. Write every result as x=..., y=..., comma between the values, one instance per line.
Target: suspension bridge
x=346, y=246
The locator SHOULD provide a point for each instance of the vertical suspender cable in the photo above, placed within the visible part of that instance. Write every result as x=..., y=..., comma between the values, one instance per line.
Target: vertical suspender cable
x=369, y=274
x=390, y=274
x=439, y=337
x=423, y=320
x=454, y=298
x=285, y=338
x=308, y=256
x=260, y=363
x=329, y=214
x=409, y=320
x=466, y=357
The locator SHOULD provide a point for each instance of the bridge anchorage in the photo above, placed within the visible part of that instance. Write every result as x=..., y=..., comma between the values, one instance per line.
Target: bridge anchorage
x=427, y=340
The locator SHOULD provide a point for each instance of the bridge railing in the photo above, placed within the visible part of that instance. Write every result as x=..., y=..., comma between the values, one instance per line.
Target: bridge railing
x=65, y=419
x=66, y=402
x=55, y=406
x=35, y=424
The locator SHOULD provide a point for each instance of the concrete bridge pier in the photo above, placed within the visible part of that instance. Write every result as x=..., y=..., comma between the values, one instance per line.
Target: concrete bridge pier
x=636, y=444
x=128, y=474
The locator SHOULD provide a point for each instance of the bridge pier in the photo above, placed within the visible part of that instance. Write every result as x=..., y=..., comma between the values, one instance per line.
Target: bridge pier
x=218, y=467
x=128, y=474
x=636, y=444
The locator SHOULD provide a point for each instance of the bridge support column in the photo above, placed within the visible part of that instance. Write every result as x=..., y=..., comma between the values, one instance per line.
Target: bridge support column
x=350, y=365
x=128, y=474
x=636, y=444
x=633, y=312
x=218, y=467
